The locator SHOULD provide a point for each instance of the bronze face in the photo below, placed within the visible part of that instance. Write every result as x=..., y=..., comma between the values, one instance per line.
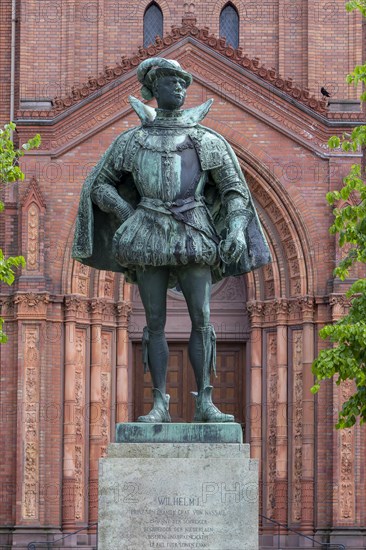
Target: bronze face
x=170, y=92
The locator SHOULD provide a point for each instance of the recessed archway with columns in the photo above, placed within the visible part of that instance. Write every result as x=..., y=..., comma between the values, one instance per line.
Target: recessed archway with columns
x=281, y=345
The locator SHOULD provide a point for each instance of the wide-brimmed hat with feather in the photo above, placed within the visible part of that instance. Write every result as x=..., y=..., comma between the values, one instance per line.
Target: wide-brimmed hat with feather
x=151, y=69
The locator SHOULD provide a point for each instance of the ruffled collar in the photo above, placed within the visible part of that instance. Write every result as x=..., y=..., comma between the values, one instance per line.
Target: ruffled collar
x=169, y=119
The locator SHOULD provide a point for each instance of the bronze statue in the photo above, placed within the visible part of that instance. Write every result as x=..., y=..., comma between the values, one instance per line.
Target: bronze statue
x=168, y=203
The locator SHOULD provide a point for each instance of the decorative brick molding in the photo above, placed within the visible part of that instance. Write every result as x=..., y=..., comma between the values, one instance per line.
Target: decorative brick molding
x=32, y=225
x=107, y=311
x=340, y=306
x=33, y=194
x=31, y=434
x=294, y=310
x=31, y=305
x=297, y=424
x=80, y=281
x=188, y=29
x=272, y=399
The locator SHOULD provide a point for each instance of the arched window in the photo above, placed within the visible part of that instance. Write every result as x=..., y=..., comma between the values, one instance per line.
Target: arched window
x=229, y=25
x=153, y=24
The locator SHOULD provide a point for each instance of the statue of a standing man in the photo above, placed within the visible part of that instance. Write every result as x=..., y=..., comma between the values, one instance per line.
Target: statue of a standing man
x=168, y=203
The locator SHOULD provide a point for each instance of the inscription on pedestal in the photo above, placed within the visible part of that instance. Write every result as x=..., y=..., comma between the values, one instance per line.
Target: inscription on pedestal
x=175, y=503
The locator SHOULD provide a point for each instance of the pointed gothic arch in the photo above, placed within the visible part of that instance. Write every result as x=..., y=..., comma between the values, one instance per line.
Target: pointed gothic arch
x=153, y=23
x=229, y=25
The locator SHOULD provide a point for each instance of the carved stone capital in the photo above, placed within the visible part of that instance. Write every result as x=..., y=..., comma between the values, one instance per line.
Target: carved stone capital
x=295, y=310
x=123, y=310
x=269, y=311
x=109, y=311
x=256, y=312
x=97, y=307
x=308, y=306
x=340, y=306
x=303, y=306
x=276, y=311
x=76, y=307
x=72, y=303
x=7, y=306
x=281, y=308
x=31, y=304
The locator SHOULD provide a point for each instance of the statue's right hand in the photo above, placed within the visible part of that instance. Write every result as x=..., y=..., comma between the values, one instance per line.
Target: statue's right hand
x=233, y=246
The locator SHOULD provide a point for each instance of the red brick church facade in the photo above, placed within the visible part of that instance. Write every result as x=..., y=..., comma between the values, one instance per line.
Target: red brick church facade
x=72, y=367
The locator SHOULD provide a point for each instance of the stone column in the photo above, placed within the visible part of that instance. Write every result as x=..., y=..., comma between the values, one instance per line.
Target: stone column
x=345, y=459
x=256, y=310
x=271, y=421
x=68, y=463
x=296, y=426
x=31, y=313
x=308, y=472
x=94, y=415
x=281, y=307
x=75, y=400
x=123, y=310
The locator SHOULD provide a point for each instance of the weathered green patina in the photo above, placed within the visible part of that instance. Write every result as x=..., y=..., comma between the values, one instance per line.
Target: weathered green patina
x=130, y=432
x=140, y=151
x=168, y=203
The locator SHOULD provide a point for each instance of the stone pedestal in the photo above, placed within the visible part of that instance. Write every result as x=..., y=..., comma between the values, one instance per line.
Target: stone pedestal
x=202, y=493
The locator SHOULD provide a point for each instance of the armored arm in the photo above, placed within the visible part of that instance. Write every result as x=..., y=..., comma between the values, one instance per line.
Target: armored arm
x=107, y=198
x=235, y=199
x=237, y=215
x=104, y=188
x=234, y=193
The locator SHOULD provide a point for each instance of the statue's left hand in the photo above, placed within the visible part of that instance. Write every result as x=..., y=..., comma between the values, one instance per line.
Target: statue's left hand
x=233, y=246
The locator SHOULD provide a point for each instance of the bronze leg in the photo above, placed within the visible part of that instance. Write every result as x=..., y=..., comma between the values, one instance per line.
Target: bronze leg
x=196, y=284
x=153, y=285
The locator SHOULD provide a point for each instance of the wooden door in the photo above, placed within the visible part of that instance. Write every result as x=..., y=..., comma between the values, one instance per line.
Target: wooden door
x=228, y=392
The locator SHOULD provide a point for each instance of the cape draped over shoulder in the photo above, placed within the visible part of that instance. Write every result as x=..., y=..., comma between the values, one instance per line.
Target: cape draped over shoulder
x=95, y=229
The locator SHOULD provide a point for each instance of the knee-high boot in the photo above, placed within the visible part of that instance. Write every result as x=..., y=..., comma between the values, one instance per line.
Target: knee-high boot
x=155, y=358
x=202, y=354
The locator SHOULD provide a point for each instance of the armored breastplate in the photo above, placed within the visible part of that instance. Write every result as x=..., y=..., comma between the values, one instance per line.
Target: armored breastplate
x=167, y=166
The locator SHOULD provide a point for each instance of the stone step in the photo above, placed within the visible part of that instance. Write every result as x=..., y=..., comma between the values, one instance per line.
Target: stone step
x=44, y=547
x=305, y=547
x=50, y=547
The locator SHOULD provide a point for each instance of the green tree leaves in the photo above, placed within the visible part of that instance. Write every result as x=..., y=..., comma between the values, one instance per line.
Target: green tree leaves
x=9, y=173
x=347, y=358
x=9, y=169
x=359, y=5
